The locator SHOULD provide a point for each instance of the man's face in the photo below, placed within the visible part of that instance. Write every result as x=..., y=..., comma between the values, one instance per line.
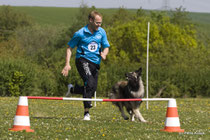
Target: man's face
x=96, y=23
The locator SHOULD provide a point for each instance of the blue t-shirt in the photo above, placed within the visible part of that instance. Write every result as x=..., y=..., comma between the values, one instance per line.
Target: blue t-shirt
x=89, y=45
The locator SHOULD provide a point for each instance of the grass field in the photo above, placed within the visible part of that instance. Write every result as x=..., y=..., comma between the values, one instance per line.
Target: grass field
x=61, y=16
x=53, y=119
x=202, y=20
x=57, y=15
x=50, y=15
x=65, y=16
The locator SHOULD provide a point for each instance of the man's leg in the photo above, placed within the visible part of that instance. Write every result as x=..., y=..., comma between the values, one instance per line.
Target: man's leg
x=89, y=74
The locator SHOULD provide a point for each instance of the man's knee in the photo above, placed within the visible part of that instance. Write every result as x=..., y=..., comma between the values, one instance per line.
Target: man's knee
x=91, y=84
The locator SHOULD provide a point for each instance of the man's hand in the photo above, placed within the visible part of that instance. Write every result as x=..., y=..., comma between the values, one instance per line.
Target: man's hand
x=103, y=55
x=65, y=70
x=67, y=67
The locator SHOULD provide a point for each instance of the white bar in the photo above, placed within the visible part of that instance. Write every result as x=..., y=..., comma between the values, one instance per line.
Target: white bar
x=83, y=99
x=22, y=120
x=172, y=121
x=147, y=65
x=157, y=99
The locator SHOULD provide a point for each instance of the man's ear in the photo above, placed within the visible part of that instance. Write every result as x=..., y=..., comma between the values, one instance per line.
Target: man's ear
x=91, y=20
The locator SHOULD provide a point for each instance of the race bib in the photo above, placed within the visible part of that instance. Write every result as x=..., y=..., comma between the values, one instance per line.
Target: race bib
x=93, y=46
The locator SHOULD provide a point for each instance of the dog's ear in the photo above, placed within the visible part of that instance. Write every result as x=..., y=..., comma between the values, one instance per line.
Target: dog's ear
x=139, y=71
x=126, y=74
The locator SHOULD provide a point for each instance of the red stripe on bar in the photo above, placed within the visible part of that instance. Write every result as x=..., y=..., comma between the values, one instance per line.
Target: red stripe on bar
x=45, y=98
x=120, y=100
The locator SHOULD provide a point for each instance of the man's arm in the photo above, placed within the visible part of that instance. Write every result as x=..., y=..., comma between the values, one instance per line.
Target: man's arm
x=67, y=67
x=104, y=53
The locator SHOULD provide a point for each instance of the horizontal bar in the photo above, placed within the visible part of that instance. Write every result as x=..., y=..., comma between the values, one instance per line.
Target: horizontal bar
x=45, y=98
x=99, y=100
x=157, y=99
x=83, y=99
x=121, y=100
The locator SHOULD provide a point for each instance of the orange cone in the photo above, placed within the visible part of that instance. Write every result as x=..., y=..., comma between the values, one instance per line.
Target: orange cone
x=21, y=120
x=172, y=123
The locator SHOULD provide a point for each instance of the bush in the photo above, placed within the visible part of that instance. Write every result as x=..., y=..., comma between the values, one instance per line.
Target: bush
x=177, y=60
x=38, y=42
x=21, y=77
x=15, y=83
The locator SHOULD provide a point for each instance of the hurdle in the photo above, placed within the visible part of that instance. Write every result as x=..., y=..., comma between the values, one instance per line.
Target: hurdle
x=99, y=100
x=172, y=123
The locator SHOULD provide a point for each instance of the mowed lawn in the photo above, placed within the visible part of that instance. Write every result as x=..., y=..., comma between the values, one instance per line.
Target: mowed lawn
x=54, y=119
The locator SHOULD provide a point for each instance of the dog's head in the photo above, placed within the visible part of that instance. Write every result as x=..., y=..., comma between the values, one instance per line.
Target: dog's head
x=134, y=77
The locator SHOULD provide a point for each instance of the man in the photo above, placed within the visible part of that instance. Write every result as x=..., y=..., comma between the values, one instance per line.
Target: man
x=92, y=45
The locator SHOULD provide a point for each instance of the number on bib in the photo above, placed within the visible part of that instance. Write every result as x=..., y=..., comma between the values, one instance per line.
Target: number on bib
x=93, y=46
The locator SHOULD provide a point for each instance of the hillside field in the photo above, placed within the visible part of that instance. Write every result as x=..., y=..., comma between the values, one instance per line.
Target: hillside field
x=65, y=16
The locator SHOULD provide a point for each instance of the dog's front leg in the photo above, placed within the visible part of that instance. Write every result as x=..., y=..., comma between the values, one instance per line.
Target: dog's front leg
x=138, y=115
x=122, y=111
x=132, y=116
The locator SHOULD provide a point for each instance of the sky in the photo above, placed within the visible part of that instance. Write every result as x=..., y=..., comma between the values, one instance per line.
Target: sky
x=190, y=5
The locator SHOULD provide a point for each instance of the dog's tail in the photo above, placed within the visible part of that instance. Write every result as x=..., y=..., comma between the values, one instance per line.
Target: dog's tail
x=114, y=91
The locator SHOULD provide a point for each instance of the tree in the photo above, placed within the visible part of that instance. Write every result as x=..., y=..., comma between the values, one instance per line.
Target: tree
x=180, y=17
x=121, y=16
x=140, y=12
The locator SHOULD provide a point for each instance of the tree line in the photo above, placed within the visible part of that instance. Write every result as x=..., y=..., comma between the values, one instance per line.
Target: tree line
x=32, y=55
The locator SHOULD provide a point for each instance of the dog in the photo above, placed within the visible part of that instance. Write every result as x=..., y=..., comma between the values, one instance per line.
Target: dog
x=132, y=88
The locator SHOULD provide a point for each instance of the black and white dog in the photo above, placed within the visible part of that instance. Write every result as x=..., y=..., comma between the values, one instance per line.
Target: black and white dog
x=132, y=88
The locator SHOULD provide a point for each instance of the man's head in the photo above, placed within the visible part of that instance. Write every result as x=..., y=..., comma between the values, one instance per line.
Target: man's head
x=95, y=20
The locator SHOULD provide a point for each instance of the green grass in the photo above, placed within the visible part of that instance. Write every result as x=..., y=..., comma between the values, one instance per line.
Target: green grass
x=50, y=15
x=61, y=16
x=57, y=15
x=65, y=16
x=53, y=119
x=202, y=20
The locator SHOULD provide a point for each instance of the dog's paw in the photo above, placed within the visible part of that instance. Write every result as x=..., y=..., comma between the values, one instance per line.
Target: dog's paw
x=144, y=121
x=126, y=118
